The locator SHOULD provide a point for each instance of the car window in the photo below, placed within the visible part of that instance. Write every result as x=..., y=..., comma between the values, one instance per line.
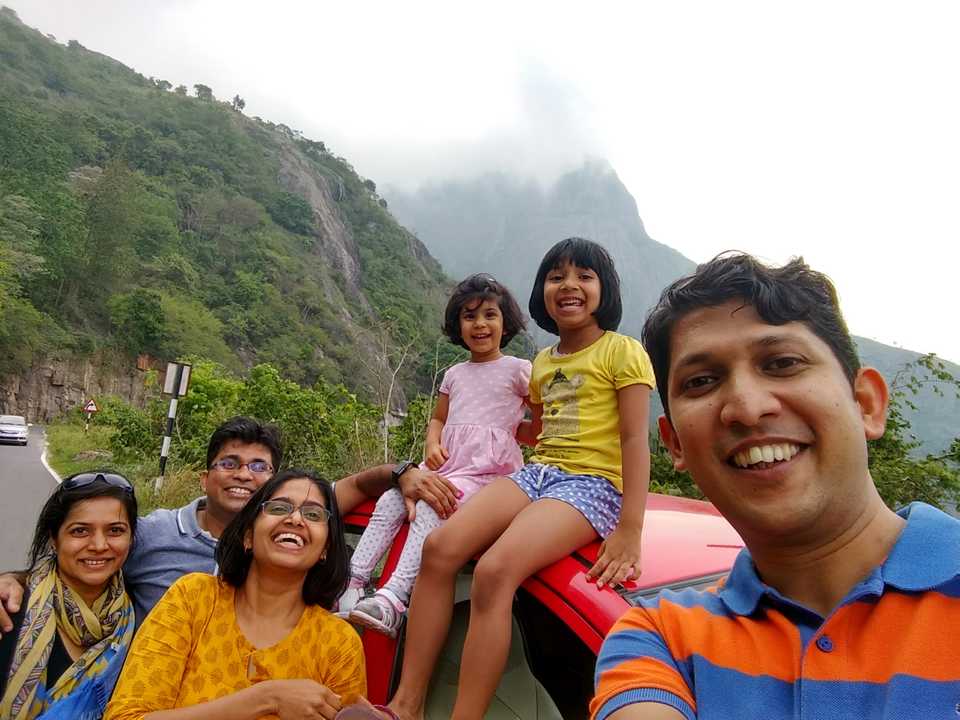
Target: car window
x=12, y=420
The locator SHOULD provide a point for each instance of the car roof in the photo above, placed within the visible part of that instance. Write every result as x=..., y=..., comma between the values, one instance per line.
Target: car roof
x=13, y=419
x=684, y=540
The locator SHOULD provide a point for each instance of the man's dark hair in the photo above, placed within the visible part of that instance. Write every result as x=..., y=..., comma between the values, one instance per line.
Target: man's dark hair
x=791, y=293
x=58, y=506
x=585, y=254
x=470, y=293
x=246, y=430
x=327, y=580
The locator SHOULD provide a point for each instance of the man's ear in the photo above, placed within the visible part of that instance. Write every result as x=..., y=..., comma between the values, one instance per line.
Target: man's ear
x=873, y=397
x=670, y=440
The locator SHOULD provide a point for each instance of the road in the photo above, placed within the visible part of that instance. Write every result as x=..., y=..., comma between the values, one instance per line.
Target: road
x=25, y=485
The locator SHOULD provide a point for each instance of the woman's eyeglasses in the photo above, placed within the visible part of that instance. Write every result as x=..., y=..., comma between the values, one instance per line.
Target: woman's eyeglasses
x=229, y=464
x=84, y=479
x=281, y=508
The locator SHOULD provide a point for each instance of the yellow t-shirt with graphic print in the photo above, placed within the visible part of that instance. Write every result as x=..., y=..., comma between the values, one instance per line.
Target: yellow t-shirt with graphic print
x=581, y=419
x=190, y=650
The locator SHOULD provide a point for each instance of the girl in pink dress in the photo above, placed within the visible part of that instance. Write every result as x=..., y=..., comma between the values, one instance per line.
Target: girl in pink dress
x=470, y=441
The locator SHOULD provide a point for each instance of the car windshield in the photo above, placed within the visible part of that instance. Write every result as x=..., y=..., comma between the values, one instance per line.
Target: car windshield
x=12, y=420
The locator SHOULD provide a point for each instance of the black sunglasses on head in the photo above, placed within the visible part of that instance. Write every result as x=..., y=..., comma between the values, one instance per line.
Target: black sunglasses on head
x=84, y=479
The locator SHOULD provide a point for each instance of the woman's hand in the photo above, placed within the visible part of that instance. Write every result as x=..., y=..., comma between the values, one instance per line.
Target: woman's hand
x=619, y=556
x=303, y=699
x=436, y=455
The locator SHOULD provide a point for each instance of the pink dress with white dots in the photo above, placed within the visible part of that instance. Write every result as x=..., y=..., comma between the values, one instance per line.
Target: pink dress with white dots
x=486, y=406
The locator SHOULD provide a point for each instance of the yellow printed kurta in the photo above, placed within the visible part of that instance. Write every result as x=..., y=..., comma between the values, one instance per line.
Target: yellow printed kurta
x=190, y=650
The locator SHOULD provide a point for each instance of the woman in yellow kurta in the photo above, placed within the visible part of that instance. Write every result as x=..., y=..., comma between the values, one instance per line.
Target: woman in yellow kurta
x=258, y=641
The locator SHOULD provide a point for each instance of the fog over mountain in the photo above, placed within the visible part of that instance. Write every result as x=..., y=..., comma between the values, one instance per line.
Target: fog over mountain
x=503, y=224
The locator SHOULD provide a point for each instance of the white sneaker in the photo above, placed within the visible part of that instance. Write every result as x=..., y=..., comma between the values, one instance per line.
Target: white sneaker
x=348, y=601
x=382, y=612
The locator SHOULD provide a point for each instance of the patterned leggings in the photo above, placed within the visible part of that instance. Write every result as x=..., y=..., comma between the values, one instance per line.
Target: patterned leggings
x=385, y=523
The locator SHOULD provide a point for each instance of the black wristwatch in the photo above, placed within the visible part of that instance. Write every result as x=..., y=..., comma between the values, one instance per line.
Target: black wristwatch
x=399, y=470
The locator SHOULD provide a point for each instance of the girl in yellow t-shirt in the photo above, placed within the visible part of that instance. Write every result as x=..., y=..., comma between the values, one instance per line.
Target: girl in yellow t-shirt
x=259, y=640
x=589, y=395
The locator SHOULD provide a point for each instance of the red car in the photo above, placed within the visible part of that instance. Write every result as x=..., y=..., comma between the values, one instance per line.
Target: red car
x=560, y=619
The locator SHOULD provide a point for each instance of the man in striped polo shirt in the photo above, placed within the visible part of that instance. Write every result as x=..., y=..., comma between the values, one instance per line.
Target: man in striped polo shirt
x=839, y=607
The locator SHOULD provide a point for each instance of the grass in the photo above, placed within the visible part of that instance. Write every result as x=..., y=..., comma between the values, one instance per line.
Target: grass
x=71, y=450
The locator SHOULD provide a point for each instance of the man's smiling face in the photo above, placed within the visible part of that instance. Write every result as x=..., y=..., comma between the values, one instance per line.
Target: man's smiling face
x=766, y=422
x=228, y=490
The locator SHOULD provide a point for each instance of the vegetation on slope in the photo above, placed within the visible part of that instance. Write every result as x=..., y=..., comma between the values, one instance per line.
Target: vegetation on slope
x=137, y=219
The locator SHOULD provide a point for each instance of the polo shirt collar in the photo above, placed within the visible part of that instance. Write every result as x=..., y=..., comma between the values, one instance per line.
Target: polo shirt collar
x=187, y=518
x=743, y=589
x=926, y=555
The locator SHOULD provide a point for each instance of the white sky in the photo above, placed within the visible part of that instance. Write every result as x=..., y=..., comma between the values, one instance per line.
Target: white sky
x=827, y=129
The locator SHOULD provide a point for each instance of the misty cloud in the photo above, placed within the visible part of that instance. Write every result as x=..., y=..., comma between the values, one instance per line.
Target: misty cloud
x=547, y=133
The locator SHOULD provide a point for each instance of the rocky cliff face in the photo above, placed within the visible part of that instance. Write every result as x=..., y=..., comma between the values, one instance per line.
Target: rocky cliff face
x=335, y=242
x=50, y=388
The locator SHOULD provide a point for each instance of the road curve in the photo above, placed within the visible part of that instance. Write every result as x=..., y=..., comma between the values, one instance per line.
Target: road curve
x=25, y=484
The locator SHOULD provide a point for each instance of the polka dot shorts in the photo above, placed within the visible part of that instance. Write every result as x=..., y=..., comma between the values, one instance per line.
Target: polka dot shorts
x=595, y=497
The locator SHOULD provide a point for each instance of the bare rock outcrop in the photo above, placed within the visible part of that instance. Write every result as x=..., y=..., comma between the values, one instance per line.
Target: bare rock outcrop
x=335, y=243
x=52, y=387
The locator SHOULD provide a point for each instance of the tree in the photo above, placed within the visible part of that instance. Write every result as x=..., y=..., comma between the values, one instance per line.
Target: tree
x=901, y=475
x=238, y=103
x=181, y=90
x=203, y=92
x=138, y=319
x=163, y=84
x=292, y=212
x=112, y=219
x=19, y=230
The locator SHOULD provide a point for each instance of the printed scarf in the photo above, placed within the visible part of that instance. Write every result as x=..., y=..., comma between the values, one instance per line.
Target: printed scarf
x=53, y=605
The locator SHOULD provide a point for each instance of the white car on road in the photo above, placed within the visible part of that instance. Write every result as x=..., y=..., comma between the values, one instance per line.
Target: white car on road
x=13, y=429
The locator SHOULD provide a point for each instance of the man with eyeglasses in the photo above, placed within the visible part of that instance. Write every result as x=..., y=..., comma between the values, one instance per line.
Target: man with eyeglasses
x=241, y=456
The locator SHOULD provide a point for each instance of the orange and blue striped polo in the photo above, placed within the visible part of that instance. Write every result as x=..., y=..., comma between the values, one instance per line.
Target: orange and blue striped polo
x=890, y=650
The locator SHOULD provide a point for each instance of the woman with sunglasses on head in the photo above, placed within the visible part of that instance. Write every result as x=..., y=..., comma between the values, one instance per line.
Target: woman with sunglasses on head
x=70, y=638
x=259, y=640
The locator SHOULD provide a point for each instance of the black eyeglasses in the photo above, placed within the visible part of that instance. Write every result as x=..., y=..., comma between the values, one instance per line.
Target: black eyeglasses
x=282, y=508
x=257, y=467
x=84, y=479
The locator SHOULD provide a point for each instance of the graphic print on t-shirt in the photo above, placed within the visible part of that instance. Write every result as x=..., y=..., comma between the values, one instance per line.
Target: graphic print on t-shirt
x=561, y=409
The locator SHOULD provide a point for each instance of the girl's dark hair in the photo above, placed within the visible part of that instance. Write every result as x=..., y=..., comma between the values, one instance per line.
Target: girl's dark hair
x=585, y=254
x=58, y=506
x=790, y=293
x=326, y=580
x=473, y=291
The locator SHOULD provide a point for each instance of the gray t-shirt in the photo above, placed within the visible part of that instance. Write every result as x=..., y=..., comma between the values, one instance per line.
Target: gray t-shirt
x=169, y=544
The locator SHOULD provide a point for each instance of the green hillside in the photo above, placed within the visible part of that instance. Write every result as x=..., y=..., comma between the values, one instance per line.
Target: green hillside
x=140, y=218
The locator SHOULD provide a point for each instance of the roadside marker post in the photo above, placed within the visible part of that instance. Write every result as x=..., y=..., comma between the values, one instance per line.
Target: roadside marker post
x=89, y=409
x=175, y=383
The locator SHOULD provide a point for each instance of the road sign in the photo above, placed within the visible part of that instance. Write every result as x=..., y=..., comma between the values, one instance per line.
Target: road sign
x=91, y=407
x=177, y=379
x=175, y=383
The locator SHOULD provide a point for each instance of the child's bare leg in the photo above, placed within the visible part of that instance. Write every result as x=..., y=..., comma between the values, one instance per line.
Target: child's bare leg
x=471, y=529
x=541, y=534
